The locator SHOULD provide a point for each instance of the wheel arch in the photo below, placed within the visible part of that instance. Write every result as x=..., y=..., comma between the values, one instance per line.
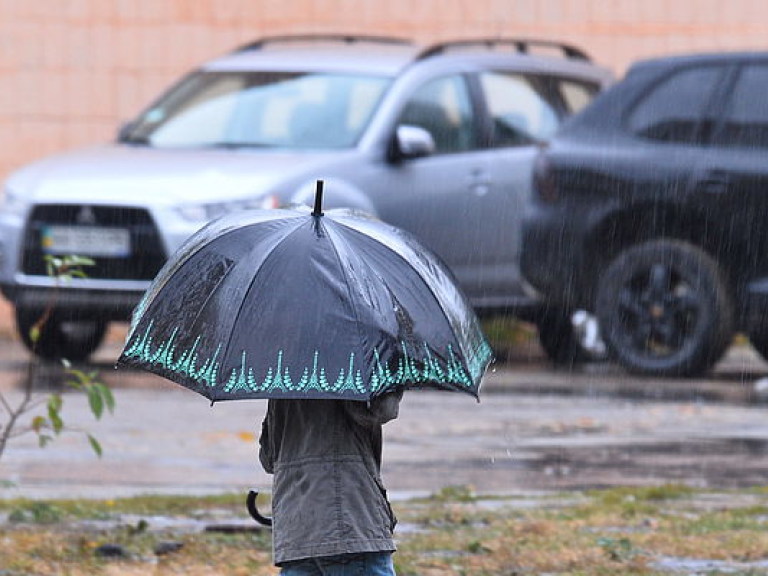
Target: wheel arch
x=642, y=223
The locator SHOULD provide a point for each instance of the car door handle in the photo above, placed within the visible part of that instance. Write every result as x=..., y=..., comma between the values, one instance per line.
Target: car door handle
x=714, y=182
x=479, y=182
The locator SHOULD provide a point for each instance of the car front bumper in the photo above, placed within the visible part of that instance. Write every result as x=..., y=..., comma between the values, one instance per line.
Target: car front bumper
x=76, y=303
x=550, y=259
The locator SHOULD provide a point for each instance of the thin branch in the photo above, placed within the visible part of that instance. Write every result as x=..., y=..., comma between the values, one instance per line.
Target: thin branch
x=5, y=403
x=22, y=408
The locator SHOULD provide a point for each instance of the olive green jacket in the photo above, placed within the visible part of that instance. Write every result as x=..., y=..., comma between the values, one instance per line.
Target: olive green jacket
x=327, y=493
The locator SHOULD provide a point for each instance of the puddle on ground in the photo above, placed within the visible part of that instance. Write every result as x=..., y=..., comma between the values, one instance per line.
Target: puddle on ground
x=695, y=566
x=177, y=524
x=403, y=528
x=718, y=463
x=174, y=524
x=730, y=462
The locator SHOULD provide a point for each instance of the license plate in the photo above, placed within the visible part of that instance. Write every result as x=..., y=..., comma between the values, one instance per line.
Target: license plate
x=86, y=241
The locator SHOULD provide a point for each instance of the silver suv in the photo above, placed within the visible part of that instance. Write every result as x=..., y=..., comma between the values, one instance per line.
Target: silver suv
x=438, y=140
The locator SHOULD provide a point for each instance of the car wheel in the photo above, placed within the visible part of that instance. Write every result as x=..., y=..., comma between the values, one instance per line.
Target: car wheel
x=664, y=310
x=74, y=340
x=569, y=339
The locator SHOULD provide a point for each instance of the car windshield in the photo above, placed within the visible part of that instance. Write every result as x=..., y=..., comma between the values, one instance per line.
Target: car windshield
x=260, y=109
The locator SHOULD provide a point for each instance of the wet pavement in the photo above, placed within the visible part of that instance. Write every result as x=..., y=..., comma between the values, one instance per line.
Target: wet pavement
x=535, y=430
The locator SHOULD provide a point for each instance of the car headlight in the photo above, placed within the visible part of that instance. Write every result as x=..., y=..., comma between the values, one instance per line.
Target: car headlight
x=211, y=211
x=12, y=202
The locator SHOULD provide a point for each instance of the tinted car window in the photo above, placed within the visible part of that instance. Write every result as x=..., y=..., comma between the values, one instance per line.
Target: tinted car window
x=745, y=120
x=674, y=110
x=443, y=108
x=520, y=114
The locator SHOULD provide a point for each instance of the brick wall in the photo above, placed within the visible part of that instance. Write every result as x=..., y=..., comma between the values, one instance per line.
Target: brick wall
x=72, y=70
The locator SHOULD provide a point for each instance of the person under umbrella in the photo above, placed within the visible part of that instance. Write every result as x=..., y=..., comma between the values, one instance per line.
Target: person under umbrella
x=330, y=317
x=330, y=510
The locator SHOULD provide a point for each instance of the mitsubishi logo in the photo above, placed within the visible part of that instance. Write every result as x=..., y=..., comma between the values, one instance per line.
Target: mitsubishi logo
x=86, y=216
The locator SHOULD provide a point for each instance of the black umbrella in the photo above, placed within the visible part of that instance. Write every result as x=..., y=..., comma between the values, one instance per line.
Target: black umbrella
x=290, y=303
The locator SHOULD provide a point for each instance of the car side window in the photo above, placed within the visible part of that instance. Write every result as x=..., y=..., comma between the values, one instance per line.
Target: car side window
x=443, y=108
x=745, y=119
x=674, y=111
x=520, y=114
x=576, y=95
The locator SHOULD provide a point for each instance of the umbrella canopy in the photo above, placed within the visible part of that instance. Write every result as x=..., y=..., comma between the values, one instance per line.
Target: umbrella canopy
x=289, y=303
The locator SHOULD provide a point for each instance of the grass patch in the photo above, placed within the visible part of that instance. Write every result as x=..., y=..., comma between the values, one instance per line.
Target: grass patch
x=455, y=532
x=507, y=335
x=160, y=505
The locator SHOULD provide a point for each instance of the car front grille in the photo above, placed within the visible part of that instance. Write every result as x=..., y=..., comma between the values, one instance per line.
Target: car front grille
x=146, y=256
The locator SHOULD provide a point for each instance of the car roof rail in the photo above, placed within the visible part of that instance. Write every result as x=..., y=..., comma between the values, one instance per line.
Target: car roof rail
x=341, y=38
x=522, y=45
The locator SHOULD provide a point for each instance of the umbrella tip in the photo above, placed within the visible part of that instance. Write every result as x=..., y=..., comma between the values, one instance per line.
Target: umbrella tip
x=318, y=211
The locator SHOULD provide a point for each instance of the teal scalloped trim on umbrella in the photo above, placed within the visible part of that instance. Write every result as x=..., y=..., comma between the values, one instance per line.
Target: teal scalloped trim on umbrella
x=313, y=376
x=481, y=357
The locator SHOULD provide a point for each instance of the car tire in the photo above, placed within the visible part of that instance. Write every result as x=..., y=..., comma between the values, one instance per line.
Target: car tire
x=664, y=309
x=73, y=340
x=561, y=341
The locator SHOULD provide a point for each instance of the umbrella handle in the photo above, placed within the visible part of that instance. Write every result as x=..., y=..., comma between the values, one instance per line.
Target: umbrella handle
x=250, y=503
x=318, y=211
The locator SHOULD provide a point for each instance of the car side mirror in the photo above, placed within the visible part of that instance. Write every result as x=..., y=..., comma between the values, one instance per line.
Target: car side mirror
x=125, y=129
x=411, y=142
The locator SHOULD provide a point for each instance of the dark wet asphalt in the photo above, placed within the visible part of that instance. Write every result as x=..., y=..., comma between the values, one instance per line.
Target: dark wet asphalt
x=536, y=429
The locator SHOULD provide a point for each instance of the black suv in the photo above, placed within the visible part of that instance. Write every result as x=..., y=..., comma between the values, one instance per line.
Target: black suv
x=650, y=208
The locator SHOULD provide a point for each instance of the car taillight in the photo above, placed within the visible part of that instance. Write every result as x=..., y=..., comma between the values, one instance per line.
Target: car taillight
x=544, y=181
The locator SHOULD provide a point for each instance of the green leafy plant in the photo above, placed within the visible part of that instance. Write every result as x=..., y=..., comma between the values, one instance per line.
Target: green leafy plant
x=36, y=512
x=618, y=549
x=99, y=398
x=47, y=420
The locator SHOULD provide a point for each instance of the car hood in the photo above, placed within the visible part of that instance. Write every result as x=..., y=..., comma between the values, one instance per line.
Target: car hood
x=120, y=174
